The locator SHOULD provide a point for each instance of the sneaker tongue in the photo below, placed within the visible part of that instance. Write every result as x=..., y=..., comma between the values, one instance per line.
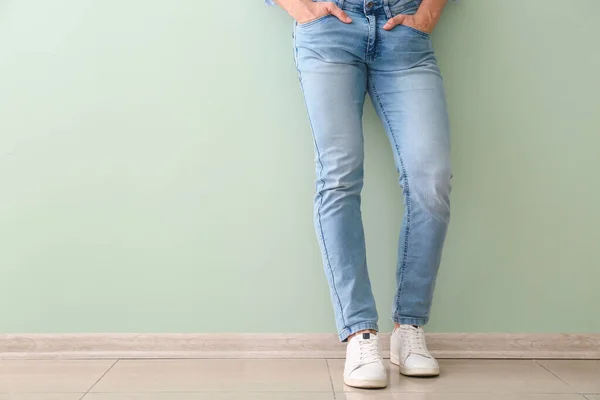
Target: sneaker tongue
x=366, y=336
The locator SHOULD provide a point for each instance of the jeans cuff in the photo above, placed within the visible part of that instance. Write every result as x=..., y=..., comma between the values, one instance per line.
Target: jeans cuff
x=362, y=326
x=398, y=319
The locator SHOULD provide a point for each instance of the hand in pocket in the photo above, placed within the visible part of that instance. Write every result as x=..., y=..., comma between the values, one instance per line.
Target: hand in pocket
x=309, y=11
x=414, y=21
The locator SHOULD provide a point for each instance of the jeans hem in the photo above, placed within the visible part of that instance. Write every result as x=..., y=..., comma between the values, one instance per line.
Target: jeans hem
x=362, y=326
x=410, y=320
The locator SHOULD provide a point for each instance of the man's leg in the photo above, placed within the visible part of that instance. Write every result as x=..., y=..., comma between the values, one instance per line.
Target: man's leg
x=334, y=82
x=406, y=87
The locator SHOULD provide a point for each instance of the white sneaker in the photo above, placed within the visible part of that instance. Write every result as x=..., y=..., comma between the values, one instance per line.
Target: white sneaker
x=408, y=350
x=364, y=365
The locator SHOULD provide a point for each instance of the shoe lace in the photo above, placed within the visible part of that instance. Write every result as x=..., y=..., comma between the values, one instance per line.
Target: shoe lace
x=415, y=341
x=369, y=351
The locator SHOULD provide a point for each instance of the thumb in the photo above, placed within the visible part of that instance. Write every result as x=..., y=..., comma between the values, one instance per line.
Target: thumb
x=339, y=13
x=393, y=22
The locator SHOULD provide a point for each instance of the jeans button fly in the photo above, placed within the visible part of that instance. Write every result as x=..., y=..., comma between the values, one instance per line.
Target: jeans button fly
x=370, y=5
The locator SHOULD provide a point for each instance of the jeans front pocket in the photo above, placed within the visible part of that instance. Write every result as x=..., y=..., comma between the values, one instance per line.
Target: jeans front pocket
x=407, y=7
x=415, y=30
x=314, y=21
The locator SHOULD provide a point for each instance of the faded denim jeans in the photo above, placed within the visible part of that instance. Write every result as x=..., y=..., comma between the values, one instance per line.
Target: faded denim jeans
x=338, y=64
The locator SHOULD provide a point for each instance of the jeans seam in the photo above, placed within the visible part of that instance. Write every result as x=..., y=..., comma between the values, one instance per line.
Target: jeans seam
x=368, y=42
x=407, y=191
x=320, y=203
x=319, y=195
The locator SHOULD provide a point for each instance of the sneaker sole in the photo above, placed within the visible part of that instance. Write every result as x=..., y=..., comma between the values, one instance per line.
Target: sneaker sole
x=366, y=383
x=422, y=372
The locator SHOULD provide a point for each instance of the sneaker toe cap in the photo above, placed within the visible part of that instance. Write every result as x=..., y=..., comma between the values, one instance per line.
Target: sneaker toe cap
x=417, y=361
x=372, y=371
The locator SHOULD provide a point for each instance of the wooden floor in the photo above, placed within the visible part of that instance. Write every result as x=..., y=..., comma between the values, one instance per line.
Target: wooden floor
x=290, y=380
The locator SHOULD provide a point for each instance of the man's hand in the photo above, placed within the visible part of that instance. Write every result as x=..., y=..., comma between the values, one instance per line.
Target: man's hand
x=416, y=21
x=304, y=11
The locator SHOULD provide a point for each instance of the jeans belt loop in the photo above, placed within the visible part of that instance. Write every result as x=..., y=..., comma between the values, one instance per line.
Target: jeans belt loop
x=386, y=7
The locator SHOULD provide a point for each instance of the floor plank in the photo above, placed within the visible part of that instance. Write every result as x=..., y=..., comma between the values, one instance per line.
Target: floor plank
x=50, y=376
x=469, y=376
x=213, y=396
x=583, y=375
x=41, y=396
x=216, y=376
x=453, y=396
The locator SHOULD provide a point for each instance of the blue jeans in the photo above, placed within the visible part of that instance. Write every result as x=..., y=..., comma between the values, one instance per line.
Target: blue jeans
x=337, y=64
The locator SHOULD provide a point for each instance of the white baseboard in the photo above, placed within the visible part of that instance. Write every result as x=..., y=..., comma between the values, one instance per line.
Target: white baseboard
x=442, y=345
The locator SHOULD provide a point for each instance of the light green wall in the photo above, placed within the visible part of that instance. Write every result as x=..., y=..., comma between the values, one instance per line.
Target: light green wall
x=156, y=170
